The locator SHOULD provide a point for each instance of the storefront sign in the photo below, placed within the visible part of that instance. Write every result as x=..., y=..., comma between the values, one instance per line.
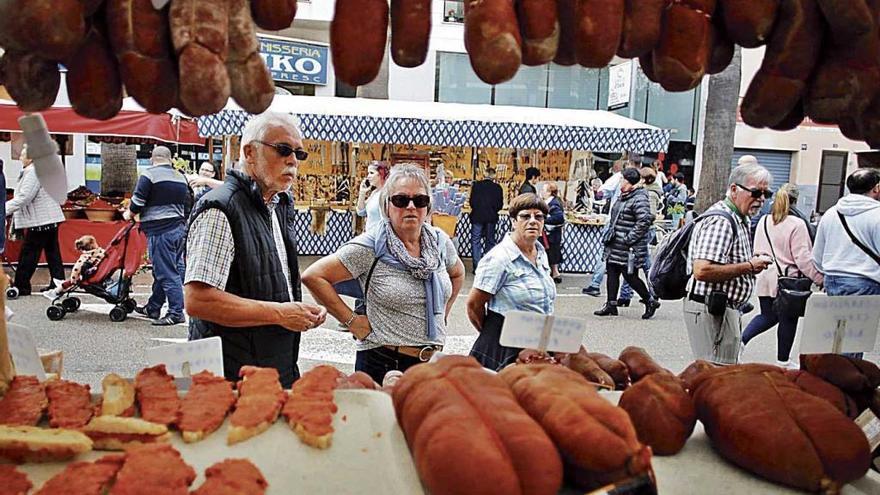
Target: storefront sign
x=295, y=61
x=619, y=83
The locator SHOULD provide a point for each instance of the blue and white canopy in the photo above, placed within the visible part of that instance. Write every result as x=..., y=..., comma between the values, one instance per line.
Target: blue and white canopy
x=451, y=124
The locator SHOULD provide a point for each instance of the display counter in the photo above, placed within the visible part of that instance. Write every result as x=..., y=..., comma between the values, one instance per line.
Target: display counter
x=68, y=232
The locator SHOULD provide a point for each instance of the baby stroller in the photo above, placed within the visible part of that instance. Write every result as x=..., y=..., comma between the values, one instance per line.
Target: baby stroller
x=110, y=279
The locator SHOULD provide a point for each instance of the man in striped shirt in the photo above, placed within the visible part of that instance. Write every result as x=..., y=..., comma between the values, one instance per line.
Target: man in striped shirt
x=162, y=199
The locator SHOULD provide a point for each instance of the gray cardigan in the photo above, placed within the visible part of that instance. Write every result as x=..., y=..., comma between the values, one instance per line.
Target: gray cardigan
x=32, y=206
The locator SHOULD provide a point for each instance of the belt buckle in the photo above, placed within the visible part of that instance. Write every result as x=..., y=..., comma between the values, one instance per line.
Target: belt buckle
x=426, y=352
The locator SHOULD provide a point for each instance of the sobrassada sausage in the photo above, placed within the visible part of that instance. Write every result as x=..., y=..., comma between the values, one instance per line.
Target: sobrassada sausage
x=539, y=28
x=31, y=81
x=640, y=363
x=273, y=15
x=200, y=31
x=251, y=83
x=93, y=82
x=410, y=31
x=141, y=39
x=358, y=33
x=792, y=54
x=491, y=37
x=599, y=27
x=682, y=56
x=53, y=29
x=91, y=6
x=749, y=22
x=641, y=27
x=565, y=10
x=722, y=49
x=792, y=120
x=848, y=20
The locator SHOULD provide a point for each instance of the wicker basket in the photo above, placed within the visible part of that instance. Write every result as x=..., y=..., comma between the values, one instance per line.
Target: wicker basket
x=102, y=215
x=446, y=223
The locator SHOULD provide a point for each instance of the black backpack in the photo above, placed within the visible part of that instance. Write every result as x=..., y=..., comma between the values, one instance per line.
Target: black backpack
x=669, y=273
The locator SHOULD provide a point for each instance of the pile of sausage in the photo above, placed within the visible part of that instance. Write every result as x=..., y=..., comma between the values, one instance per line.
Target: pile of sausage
x=189, y=54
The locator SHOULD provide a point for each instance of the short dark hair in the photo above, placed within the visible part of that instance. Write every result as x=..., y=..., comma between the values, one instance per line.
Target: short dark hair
x=632, y=175
x=862, y=180
x=679, y=177
x=532, y=172
x=527, y=201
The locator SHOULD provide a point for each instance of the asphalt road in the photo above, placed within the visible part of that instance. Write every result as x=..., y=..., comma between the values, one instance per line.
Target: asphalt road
x=94, y=346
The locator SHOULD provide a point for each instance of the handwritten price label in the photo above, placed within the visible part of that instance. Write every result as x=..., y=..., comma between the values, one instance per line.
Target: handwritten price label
x=544, y=332
x=188, y=358
x=851, y=321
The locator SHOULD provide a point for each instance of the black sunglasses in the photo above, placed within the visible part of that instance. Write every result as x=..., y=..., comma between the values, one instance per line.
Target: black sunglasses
x=285, y=150
x=757, y=193
x=419, y=200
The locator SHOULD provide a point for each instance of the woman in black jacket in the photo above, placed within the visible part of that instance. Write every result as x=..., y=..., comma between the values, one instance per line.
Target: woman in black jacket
x=626, y=244
x=528, y=186
x=553, y=227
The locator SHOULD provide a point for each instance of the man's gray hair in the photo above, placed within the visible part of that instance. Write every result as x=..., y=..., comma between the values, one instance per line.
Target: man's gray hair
x=401, y=172
x=741, y=173
x=256, y=128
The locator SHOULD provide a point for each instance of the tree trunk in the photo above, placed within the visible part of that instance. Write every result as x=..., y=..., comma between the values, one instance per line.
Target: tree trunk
x=721, y=107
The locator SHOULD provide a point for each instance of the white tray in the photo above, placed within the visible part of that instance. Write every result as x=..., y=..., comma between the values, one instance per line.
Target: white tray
x=369, y=453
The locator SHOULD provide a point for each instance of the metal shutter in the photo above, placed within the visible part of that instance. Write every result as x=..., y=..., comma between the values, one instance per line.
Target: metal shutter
x=777, y=162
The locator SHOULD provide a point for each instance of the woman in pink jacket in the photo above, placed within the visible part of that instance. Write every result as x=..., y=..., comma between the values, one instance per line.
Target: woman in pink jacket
x=794, y=254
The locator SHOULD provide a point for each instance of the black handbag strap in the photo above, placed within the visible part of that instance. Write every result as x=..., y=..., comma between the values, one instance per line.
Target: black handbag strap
x=773, y=252
x=857, y=242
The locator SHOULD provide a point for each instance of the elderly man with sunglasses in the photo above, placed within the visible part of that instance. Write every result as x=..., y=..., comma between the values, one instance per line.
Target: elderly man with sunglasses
x=724, y=267
x=242, y=277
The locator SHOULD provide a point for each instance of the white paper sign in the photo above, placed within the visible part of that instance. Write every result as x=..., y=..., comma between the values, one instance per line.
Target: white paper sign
x=528, y=330
x=158, y=4
x=860, y=316
x=188, y=358
x=23, y=350
x=619, y=84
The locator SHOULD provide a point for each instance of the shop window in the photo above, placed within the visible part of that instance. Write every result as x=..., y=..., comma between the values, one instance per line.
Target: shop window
x=831, y=179
x=574, y=87
x=289, y=88
x=453, y=11
x=456, y=81
x=527, y=89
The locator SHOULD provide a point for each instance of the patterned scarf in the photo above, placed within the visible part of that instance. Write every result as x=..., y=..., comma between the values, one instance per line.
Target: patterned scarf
x=422, y=267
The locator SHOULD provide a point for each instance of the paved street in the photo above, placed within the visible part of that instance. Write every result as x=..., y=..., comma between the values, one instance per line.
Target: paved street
x=94, y=346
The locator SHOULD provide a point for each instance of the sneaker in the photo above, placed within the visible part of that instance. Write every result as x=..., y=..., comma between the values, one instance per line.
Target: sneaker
x=591, y=291
x=142, y=310
x=789, y=365
x=168, y=320
x=50, y=294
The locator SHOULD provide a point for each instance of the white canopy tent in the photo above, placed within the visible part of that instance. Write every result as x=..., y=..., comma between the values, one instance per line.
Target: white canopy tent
x=451, y=124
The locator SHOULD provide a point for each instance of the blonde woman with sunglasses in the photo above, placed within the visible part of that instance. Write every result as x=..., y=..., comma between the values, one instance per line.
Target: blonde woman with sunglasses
x=410, y=275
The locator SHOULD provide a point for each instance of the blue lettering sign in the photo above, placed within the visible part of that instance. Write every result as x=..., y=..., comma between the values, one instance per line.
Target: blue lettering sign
x=295, y=61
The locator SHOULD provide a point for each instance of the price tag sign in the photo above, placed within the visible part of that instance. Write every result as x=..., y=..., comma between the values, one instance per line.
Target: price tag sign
x=23, y=350
x=870, y=424
x=546, y=333
x=840, y=324
x=188, y=358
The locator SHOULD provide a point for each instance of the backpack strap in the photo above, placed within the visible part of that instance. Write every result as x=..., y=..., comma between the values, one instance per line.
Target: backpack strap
x=856, y=241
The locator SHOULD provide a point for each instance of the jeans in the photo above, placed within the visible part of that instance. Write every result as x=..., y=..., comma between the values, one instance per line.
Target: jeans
x=37, y=240
x=766, y=320
x=166, y=254
x=851, y=286
x=626, y=291
x=378, y=361
x=480, y=231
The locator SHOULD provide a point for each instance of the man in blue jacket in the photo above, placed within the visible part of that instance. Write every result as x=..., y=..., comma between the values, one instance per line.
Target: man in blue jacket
x=162, y=199
x=486, y=200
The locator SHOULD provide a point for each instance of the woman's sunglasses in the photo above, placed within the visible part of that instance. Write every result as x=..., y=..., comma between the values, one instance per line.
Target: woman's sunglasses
x=285, y=150
x=419, y=200
x=757, y=193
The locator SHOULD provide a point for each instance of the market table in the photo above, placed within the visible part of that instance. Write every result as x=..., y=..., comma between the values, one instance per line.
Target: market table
x=68, y=232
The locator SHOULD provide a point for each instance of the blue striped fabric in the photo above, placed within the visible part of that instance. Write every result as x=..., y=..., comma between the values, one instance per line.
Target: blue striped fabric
x=161, y=196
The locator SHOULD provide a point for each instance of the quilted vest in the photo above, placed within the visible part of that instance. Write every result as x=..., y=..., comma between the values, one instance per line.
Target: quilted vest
x=256, y=273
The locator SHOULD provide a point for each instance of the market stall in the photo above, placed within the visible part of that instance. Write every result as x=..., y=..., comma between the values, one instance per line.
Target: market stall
x=343, y=135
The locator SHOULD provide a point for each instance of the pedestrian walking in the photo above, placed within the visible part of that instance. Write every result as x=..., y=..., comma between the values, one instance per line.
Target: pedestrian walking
x=513, y=276
x=626, y=244
x=162, y=199
x=34, y=211
x=532, y=176
x=553, y=226
x=368, y=193
x=655, y=198
x=786, y=239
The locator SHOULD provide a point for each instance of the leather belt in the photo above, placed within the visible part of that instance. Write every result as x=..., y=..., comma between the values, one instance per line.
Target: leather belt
x=422, y=353
x=698, y=298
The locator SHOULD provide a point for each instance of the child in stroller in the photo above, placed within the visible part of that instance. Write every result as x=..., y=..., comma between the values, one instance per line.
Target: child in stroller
x=110, y=278
x=86, y=265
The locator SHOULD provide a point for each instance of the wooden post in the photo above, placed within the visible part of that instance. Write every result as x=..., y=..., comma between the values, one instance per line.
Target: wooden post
x=6, y=370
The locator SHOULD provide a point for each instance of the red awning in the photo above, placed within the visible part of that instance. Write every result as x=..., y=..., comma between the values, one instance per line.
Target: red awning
x=63, y=120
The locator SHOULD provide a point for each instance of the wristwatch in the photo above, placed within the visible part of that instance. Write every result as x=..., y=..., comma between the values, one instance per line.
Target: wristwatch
x=348, y=323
